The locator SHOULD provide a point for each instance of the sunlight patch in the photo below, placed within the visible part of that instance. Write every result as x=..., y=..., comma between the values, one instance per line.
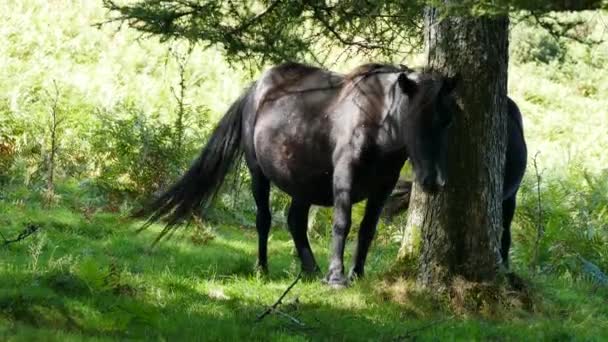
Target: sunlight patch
x=217, y=293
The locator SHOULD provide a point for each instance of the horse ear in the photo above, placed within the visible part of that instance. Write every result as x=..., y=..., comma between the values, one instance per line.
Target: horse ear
x=450, y=83
x=408, y=86
x=405, y=68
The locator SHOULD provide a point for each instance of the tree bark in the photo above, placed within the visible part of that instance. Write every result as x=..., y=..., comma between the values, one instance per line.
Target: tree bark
x=460, y=227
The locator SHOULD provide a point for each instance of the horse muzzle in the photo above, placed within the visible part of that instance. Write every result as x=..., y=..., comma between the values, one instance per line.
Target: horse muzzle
x=433, y=183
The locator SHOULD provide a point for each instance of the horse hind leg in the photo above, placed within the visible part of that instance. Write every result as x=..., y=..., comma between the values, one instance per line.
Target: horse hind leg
x=261, y=193
x=297, y=220
x=508, y=211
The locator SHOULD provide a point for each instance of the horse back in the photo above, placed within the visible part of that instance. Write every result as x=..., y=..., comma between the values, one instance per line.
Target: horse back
x=310, y=86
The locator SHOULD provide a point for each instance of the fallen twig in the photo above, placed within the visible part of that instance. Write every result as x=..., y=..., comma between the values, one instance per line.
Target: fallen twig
x=280, y=300
x=29, y=230
x=290, y=317
x=539, y=224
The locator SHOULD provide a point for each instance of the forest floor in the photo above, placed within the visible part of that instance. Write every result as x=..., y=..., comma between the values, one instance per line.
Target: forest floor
x=88, y=276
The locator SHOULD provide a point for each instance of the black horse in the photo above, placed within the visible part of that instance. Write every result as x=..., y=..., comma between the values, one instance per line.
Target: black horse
x=515, y=166
x=324, y=139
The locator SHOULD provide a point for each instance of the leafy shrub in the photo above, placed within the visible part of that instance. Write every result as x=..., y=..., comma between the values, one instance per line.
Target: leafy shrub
x=9, y=130
x=530, y=44
x=137, y=155
x=574, y=222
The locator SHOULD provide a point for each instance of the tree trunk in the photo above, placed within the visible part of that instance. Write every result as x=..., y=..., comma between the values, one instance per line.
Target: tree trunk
x=460, y=227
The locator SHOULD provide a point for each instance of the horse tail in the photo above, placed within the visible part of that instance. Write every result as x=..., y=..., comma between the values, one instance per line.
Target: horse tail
x=198, y=186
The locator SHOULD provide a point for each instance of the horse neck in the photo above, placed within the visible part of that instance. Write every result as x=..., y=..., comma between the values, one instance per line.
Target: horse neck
x=395, y=123
x=380, y=95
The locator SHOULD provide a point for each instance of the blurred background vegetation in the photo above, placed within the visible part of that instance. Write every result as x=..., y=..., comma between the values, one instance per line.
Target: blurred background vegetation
x=115, y=116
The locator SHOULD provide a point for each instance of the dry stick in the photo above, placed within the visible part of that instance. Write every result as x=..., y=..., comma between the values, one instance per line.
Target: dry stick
x=182, y=61
x=278, y=302
x=54, y=128
x=29, y=230
x=290, y=317
x=539, y=224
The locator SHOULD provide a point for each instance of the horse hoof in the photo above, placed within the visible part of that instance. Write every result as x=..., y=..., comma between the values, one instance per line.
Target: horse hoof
x=338, y=286
x=354, y=276
x=336, y=283
x=310, y=273
x=261, y=270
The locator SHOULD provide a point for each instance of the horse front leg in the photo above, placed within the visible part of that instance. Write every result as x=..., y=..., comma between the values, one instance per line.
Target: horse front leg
x=341, y=223
x=367, y=230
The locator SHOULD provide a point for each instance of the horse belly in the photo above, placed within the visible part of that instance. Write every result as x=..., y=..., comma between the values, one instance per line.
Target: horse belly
x=297, y=161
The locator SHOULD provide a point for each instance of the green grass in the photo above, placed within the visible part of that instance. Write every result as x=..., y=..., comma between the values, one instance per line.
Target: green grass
x=90, y=277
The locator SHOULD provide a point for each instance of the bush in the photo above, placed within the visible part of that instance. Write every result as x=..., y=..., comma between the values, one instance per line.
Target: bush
x=9, y=131
x=137, y=155
x=574, y=222
x=530, y=44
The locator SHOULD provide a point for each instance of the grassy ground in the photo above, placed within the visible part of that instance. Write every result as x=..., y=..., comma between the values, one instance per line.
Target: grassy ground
x=87, y=276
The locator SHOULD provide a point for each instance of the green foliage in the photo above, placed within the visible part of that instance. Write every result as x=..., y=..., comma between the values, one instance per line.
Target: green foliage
x=138, y=155
x=9, y=130
x=559, y=93
x=574, y=224
x=276, y=31
x=119, y=136
x=315, y=31
x=534, y=45
x=557, y=38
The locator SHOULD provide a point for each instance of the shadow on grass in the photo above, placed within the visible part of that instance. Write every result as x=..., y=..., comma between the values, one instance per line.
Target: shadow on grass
x=68, y=306
x=176, y=290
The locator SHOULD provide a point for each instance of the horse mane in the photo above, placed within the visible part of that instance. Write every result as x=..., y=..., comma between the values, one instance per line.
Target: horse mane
x=296, y=69
x=365, y=70
x=361, y=82
x=429, y=82
x=290, y=74
x=429, y=79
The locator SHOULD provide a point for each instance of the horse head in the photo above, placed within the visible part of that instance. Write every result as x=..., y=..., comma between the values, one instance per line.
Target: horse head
x=428, y=114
